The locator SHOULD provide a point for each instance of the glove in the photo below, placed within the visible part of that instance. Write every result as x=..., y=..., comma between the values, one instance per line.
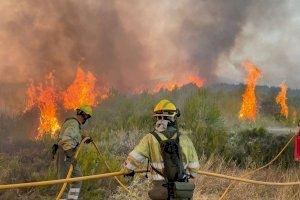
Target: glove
x=88, y=141
x=71, y=155
x=54, y=149
x=130, y=173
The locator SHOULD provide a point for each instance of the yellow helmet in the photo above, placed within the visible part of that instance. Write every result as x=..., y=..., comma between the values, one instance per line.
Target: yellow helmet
x=165, y=108
x=86, y=109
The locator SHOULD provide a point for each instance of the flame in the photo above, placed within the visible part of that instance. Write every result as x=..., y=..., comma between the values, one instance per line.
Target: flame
x=170, y=86
x=31, y=94
x=281, y=100
x=44, y=96
x=249, y=107
x=82, y=91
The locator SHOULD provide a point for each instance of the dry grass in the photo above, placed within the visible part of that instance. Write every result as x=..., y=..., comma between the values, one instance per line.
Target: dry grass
x=211, y=188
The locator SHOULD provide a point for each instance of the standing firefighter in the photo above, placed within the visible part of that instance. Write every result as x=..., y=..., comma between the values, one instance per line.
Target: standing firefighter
x=171, y=155
x=69, y=138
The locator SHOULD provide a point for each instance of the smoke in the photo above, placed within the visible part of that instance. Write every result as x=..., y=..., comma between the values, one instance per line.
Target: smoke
x=129, y=43
x=269, y=39
x=43, y=36
x=209, y=30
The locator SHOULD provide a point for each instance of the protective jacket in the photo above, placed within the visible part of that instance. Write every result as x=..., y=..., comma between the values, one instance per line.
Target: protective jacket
x=70, y=135
x=69, y=138
x=149, y=148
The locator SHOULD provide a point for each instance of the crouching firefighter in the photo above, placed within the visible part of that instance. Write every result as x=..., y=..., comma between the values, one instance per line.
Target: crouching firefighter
x=69, y=138
x=171, y=155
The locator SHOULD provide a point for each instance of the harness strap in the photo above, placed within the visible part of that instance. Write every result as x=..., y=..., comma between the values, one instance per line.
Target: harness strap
x=159, y=141
x=157, y=137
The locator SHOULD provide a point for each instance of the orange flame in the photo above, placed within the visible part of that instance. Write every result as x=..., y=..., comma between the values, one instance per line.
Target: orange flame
x=249, y=107
x=31, y=94
x=82, y=91
x=45, y=98
x=281, y=100
x=192, y=79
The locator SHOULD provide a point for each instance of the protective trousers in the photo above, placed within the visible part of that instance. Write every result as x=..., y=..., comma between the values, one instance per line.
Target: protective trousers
x=159, y=192
x=63, y=164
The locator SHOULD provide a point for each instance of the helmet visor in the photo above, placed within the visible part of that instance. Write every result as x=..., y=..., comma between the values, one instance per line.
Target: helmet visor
x=165, y=113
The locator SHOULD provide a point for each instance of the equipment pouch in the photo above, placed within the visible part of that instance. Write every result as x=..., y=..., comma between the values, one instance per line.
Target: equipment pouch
x=184, y=190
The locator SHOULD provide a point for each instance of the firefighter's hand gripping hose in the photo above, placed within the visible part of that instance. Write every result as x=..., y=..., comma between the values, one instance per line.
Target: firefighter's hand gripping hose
x=103, y=160
x=260, y=168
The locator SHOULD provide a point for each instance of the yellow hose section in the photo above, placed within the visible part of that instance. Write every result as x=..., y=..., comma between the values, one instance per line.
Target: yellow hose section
x=59, y=181
x=71, y=169
x=260, y=168
x=250, y=181
x=120, y=173
x=102, y=158
x=109, y=169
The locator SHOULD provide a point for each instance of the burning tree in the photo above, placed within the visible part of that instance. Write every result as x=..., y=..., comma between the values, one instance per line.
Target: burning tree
x=249, y=105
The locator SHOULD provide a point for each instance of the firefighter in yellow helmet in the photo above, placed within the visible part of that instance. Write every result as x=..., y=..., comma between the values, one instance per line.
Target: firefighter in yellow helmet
x=69, y=138
x=171, y=155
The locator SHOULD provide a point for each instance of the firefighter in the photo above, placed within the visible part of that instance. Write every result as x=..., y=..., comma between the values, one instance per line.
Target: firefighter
x=69, y=138
x=170, y=169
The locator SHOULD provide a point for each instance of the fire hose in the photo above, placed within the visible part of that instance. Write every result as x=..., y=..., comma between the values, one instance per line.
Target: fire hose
x=103, y=160
x=70, y=180
x=260, y=168
x=120, y=173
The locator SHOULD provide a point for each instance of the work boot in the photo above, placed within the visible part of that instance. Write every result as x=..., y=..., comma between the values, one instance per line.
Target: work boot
x=73, y=193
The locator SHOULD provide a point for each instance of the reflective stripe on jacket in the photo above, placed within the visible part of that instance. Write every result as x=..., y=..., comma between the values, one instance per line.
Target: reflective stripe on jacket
x=149, y=148
x=70, y=135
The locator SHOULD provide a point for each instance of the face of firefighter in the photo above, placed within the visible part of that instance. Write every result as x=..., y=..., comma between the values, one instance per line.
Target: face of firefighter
x=83, y=118
x=161, y=125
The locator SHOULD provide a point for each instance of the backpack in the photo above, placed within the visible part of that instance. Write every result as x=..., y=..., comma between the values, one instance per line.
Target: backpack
x=171, y=154
x=174, y=172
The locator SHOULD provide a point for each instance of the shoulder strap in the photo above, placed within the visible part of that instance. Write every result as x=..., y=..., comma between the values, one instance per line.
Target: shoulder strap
x=159, y=141
x=177, y=137
x=157, y=137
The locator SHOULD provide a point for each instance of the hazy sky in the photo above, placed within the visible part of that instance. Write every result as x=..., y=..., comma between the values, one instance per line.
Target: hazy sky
x=269, y=38
x=141, y=42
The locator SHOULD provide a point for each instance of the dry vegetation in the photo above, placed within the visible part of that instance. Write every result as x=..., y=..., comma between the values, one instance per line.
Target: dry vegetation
x=209, y=116
x=211, y=189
